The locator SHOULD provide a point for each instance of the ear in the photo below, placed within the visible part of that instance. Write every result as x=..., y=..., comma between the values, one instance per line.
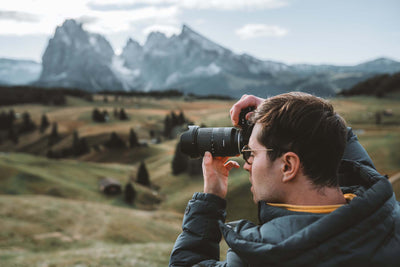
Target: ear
x=291, y=166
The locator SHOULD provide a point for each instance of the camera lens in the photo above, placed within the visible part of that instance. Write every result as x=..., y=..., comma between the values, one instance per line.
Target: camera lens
x=225, y=141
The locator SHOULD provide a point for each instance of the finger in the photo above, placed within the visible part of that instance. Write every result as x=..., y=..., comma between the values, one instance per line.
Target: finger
x=248, y=115
x=207, y=164
x=235, y=111
x=244, y=102
x=207, y=156
x=221, y=159
x=207, y=159
x=231, y=164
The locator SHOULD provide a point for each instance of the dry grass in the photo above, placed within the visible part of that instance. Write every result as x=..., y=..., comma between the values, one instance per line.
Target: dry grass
x=38, y=226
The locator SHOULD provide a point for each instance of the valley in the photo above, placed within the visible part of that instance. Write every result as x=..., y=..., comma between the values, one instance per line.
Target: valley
x=52, y=212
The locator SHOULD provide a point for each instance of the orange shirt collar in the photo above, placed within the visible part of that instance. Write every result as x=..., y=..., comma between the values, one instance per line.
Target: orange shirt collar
x=325, y=209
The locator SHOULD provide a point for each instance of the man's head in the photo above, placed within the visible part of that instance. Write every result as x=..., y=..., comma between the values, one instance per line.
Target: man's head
x=300, y=129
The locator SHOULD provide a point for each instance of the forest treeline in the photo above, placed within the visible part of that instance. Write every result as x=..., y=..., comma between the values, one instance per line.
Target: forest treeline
x=379, y=86
x=13, y=95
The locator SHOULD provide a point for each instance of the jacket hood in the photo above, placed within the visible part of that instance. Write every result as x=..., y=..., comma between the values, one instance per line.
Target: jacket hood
x=293, y=238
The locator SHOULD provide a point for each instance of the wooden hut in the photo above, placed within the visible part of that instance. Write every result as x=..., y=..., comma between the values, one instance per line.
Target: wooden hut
x=110, y=186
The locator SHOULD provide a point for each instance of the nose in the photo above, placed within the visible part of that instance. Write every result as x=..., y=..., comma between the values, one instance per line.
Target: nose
x=247, y=166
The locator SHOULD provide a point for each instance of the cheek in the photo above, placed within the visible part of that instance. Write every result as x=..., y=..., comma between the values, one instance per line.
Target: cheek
x=259, y=170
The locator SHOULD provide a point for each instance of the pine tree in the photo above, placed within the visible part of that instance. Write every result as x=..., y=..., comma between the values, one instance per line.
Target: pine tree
x=54, y=130
x=115, y=141
x=54, y=134
x=181, y=118
x=167, y=126
x=180, y=161
x=11, y=115
x=4, y=121
x=152, y=134
x=44, y=123
x=133, y=140
x=174, y=119
x=143, y=176
x=130, y=193
x=27, y=123
x=98, y=116
x=122, y=115
x=75, y=144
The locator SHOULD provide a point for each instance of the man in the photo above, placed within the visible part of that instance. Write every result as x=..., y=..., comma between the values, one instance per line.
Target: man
x=321, y=201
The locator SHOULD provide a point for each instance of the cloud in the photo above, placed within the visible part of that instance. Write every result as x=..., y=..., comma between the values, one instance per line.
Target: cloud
x=18, y=16
x=232, y=4
x=87, y=19
x=250, y=31
x=112, y=5
x=168, y=30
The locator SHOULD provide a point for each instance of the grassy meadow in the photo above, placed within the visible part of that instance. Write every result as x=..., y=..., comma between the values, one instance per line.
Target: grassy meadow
x=53, y=214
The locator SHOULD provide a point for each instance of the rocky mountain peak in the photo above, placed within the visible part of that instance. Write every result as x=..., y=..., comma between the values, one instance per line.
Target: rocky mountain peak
x=155, y=40
x=77, y=58
x=72, y=25
x=189, y=35
x=132, y=54
x=186, y=30
x=132, y=44
x=188, y=61
x=69, y=32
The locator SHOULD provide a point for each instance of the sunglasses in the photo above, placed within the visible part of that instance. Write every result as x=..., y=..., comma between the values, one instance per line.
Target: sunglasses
x=247, y=153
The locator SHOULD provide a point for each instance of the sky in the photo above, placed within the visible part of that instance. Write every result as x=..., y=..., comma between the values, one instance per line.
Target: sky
x=339, y=32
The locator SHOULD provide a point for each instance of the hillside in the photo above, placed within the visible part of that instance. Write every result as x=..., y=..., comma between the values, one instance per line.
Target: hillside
x=39, y=230
x=53, y=214
x=380, y=85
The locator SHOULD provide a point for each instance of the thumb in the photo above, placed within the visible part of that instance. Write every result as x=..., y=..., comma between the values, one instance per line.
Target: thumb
x=207, y=158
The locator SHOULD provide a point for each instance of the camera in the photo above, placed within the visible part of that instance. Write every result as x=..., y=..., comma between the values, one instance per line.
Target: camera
x=221, y=142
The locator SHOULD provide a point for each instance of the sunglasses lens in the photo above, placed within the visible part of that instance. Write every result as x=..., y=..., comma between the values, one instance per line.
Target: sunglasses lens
x=246, y=154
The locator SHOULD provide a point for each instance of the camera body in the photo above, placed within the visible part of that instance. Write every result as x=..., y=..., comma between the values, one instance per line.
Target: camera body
x=220, y=141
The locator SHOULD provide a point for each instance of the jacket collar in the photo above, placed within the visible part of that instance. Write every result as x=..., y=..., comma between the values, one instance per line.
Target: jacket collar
x=354, y=177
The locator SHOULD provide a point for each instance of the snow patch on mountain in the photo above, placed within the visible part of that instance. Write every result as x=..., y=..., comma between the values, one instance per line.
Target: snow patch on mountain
x=125, y=75
x=210, y=70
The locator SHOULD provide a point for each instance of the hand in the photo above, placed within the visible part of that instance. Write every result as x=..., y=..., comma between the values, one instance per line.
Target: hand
x=244, y=102
x=215, y=173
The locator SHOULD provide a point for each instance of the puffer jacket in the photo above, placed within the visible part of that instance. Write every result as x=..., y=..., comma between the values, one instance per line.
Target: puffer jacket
x=365, y=232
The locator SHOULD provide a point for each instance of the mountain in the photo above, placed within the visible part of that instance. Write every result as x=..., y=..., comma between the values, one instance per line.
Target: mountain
x=193, y=63
x=380, y=65
x=189, y=62
x=13, y=72
x=76, y=58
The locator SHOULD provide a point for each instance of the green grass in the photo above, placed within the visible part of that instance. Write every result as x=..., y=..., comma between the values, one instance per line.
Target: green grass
x=27, y=174
x=381, y=141
x=99, y=255
x=39, y=229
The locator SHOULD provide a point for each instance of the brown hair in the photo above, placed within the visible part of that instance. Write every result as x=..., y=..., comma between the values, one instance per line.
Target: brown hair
x=308, y=126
